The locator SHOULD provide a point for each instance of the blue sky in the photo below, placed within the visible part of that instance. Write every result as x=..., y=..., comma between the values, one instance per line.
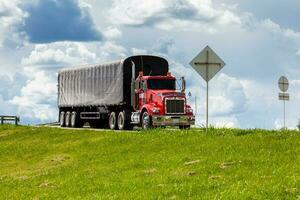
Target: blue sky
x=258, y=40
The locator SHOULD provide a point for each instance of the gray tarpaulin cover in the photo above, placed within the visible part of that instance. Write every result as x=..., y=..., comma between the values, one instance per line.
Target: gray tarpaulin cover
x=92, y=85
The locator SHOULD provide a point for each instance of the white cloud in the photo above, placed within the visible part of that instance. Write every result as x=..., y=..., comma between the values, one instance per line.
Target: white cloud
x=112, y=33
x=275, y=28
x=169, y=14
x=37, y=98
x=111, y=51
x=136, y=51
x=10, y=17
x=227, y=100
x=59, y=53
x=134, y=12
x=7, y=108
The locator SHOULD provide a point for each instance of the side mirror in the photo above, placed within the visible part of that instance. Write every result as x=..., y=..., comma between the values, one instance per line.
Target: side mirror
x=183, y=84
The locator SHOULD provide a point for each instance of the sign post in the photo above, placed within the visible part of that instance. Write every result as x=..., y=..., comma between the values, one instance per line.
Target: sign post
x=207, y=64
x=283, y=84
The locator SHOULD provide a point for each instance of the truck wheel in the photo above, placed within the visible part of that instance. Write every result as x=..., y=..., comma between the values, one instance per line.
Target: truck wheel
x=68, y=119
x=74, y=121
x=146, y=121
x=123, y=124
x=112, y=121
x=121, y=121
x=62, y=119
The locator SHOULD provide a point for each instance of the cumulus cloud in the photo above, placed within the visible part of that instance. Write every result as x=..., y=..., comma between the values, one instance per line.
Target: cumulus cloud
x=59, y=54
x=37, y=99
x=10, y=88
x=51, y=21
x=228, y=96
x=112, y=33
x=109, y=51
x=227, y=100
x=11, y=16
x=163, y=45
x=136, y=51
x=168, y=14
x=275, y=28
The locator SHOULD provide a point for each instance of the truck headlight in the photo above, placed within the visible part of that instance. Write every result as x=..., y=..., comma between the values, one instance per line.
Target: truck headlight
x=155, y=110
x=189, y=110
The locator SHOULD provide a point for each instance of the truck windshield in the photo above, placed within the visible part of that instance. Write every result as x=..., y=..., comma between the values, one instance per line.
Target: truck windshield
x=161, y=84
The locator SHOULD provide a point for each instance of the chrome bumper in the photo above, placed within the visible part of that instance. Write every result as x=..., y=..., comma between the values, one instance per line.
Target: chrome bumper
x=173, y=120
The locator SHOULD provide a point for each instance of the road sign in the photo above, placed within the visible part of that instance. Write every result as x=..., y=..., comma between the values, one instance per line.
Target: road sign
x=284, y=96
x=283, y=84
x=207, y=63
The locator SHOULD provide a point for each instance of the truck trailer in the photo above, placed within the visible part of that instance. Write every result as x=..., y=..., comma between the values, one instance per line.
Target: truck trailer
x=135, y=91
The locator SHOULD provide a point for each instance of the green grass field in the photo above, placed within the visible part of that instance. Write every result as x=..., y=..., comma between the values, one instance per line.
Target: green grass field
x=51, y=163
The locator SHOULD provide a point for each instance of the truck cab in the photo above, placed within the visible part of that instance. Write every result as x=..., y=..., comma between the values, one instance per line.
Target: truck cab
x=160, y=104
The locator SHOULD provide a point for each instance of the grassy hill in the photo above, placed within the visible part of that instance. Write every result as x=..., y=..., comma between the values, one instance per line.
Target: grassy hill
x=50, y=163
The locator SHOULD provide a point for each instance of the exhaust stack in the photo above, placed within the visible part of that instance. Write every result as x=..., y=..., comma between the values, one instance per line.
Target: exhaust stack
x=133, y=103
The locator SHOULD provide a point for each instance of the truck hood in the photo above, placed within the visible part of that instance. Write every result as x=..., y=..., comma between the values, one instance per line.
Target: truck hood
x=167, y=93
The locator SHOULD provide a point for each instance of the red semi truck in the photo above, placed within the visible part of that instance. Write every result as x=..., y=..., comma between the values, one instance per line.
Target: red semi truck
x=138, y=90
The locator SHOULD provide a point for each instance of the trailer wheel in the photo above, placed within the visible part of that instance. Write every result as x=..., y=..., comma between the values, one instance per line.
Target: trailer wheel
x=146, y=121
x=74, y=121
x=112, y=121
x=68, y=119
x=62, y=119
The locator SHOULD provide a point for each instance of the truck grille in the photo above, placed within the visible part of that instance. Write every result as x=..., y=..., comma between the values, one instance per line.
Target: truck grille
x=174, y=106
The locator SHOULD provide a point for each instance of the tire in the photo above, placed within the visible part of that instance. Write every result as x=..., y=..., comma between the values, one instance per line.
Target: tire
x=184, y=127
x=62, y=119
x=146, y=121
x=68, y=119
x=121, y=121
x=112, y=121
x=74, y=120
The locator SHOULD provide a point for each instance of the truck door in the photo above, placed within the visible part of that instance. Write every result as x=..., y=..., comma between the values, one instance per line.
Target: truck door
x=142, y=94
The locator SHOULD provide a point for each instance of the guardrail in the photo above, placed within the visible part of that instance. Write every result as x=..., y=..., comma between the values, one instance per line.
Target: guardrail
x=9, y=118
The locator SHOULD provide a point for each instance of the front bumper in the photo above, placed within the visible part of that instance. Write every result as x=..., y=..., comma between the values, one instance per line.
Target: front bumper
x=173, y=120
